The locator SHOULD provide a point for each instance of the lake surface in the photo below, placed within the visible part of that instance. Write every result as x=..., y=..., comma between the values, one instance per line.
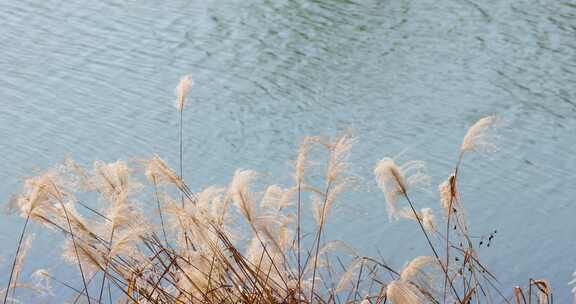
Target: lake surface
x=95, y=80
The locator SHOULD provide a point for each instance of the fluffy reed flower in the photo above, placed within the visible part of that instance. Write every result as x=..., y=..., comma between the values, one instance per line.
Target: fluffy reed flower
x=193, y=278
x=284, y=233
x=120, y=214
x=210, y=206
x=276, y=229
x=182, y=90
x=339, y=151
x=415, y=267
x=401, y=292
x=272, y=198
x=49, y=204
x=426, y=216
x=321, y=203
x=254, y=251
x=125, y=242
x=428, y=219
x=115, y=183
x=446, y=195
x=301, y=162
x=39, y=192
x=395, y=180
x=266, y=260
x=239, y=191
x=113, y=180
x=317, y=209
x=476, y=138
x=158, y=172
x=449, y=198
x=338, y=245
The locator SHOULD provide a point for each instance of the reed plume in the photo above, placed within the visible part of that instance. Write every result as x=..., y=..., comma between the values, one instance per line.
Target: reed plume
x=476, y=139
x=395, y=180
x=446, y=194
x=426, y=216
x=400, y=292
x=240, y=193
x=158, y=172
x=415, y=267
x=182, y=90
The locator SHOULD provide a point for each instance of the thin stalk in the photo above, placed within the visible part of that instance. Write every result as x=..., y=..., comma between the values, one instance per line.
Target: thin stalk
x=16, y=256
x=109, y=293
x=180, y=135
x=452, y=183
x=160, y=211
x=76, y=251
x=318, y=239
x=298, y=232
x=106, y=266
x=357, y=287
x=181, y=173
x=79, y=292
x=77, y=298
x=58, y=198
x=444, y=269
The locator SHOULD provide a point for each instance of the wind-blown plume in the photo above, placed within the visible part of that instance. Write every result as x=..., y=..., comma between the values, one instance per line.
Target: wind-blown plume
x=414, y=268
x=449, y=198
x=38, y=193
x=113, y=179
x=321, y=206
x=395, y=180
x=158, y=172
x=400, y=292
x=476, y=138
x=272, y=198
x=339, y=152
x=426, y=216
x=446, y=195
x=240, y=193
x=182, y=90
x=301, y=160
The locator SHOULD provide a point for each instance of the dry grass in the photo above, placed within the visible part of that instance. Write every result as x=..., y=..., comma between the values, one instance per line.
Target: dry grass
x=235, y=244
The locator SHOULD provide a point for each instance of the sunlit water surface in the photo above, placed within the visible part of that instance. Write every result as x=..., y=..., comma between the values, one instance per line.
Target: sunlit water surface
x=94, y=80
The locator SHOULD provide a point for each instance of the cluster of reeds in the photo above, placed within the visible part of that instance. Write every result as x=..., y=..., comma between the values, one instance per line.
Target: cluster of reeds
x=235, y=244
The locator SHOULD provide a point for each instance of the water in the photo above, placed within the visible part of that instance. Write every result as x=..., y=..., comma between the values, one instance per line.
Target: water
x=94, y=80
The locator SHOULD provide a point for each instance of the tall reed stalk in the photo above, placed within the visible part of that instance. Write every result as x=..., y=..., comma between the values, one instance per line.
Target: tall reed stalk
x=16, y=256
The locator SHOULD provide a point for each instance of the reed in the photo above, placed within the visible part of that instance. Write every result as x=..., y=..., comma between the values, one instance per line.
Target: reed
x=238, y=244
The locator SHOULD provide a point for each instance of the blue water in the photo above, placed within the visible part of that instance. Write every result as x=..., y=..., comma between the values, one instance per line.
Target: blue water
x=95, y=80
